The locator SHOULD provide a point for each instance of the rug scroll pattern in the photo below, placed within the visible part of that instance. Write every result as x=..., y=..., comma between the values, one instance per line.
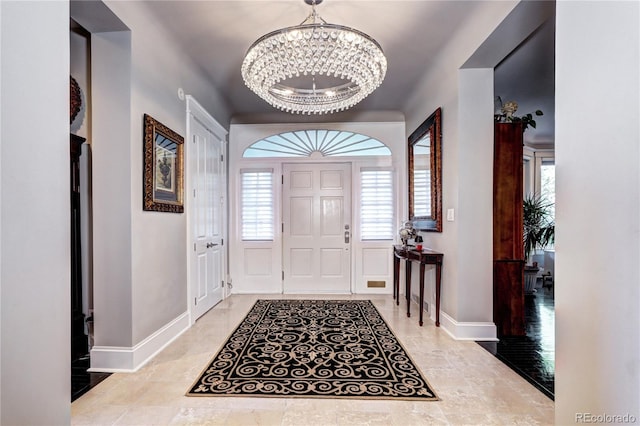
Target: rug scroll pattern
x=313, y=348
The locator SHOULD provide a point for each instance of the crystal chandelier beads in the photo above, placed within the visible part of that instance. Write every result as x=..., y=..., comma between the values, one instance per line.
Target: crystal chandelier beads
x=314, y=67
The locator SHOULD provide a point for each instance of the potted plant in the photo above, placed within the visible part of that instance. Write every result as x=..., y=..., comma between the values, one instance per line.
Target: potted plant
x=509, y=108
x=538, y=232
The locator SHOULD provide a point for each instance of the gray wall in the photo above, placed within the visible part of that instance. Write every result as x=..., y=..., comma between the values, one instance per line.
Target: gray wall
x=112, y=200
x=35, y=256
x=466, y=98
x=597, y=210
x=140, y=276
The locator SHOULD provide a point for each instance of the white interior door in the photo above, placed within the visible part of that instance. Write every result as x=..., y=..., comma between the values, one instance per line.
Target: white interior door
x=207, y=199
x=316, y=228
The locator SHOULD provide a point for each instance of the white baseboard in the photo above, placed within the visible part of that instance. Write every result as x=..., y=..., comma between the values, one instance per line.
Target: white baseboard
x=485, y=331
x=115, y=359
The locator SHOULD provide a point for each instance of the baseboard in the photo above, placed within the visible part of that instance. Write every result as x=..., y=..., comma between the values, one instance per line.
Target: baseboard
x=115, y=359
x=485, y=331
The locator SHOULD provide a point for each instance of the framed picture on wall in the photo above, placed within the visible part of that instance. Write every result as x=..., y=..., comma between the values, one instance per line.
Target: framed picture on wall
x=163, y=168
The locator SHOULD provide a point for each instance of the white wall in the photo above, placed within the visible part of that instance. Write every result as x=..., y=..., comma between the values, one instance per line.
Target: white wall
x=255, y=267
x=597, y=298
x=35, y=310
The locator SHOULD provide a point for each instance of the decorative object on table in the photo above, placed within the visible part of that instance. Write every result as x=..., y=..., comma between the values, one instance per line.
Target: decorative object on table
x=75, y=98
x=508, y=109
x=538, y=233
x=315, y=67
x=313, y=349
x=418, y=241
x=407, y=232
x=163, y=168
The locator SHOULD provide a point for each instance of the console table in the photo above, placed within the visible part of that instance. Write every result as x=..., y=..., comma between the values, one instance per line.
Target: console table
x=423, y=257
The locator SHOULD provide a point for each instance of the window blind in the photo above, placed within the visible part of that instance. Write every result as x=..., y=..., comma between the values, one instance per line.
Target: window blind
x=257, y=205
x=376, y=205
x=422, y=193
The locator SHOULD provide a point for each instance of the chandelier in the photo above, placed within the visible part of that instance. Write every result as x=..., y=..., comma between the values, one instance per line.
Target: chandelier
x=314, y=67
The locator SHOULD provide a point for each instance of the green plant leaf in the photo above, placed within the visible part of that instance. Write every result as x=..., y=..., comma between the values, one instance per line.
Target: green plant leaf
x=538, y=228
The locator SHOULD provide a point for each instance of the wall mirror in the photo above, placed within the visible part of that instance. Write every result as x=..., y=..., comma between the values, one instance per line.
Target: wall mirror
x=425, y=174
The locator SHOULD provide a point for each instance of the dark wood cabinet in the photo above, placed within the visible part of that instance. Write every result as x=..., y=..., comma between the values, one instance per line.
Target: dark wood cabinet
x=508, y=255
x=79, y=339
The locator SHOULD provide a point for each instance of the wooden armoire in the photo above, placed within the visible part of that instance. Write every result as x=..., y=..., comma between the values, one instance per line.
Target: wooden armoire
x=79, y=339
x=508, y=253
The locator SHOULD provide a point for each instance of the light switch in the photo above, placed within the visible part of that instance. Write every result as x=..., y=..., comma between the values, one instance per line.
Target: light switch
x=450, y=215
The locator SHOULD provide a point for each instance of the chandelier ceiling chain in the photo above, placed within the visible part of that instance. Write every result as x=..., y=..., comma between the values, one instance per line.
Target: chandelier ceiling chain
x=313, y=16
x=315, y=67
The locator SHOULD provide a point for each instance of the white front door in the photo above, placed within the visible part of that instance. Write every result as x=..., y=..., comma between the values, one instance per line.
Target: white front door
x=206, y=196
x=316, y=228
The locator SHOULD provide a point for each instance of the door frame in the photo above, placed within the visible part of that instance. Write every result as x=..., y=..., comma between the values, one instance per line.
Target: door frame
x=195, y=109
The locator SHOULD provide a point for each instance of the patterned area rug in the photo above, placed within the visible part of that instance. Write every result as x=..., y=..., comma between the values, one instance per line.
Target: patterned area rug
x=313, y=348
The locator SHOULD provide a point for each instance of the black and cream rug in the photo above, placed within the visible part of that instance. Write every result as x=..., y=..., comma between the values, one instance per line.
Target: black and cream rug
x=313, y=348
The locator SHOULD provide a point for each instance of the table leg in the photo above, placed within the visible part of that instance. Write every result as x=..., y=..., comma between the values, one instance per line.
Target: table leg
x=438, y=281
x=396, y=279
x=421, y=292
x=408, y=286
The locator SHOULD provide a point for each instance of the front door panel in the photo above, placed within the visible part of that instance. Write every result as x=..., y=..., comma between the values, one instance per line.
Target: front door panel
x=317, y=228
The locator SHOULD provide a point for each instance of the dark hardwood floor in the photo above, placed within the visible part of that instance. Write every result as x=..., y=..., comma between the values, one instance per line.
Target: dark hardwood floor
x=81, y=379
x=532, y=356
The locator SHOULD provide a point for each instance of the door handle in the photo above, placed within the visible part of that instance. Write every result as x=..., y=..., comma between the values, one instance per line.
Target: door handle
x=346, y=237
x=209, y=245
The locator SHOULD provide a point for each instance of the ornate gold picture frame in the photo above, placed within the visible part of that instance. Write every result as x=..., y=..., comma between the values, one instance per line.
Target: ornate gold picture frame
x=163, y=168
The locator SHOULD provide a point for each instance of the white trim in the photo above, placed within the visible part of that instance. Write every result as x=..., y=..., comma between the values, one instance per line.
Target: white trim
x=485, y=331
x=242, y=135
x=198, y=113
x=117, y=359
x=201, y=114
x=251, y=291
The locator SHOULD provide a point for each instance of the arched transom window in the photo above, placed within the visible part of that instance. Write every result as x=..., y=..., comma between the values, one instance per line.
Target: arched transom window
x=308, y=143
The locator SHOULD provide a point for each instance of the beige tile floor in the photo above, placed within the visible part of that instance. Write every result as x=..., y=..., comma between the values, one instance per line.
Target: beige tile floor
x=474, y=387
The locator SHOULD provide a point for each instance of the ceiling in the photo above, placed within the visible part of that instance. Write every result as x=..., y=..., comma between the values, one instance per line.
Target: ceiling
x=217, y=34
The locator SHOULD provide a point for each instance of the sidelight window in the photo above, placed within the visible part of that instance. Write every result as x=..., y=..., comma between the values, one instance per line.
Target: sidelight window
x=257, y=205
x=376, y=204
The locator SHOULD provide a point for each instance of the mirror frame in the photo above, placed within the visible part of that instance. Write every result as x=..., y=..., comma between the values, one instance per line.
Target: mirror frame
x=432, y=126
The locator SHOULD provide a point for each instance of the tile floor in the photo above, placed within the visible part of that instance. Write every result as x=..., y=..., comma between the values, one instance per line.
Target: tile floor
x=475, y=388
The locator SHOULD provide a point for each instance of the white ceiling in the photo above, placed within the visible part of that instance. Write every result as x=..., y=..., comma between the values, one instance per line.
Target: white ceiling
x=217, y=34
